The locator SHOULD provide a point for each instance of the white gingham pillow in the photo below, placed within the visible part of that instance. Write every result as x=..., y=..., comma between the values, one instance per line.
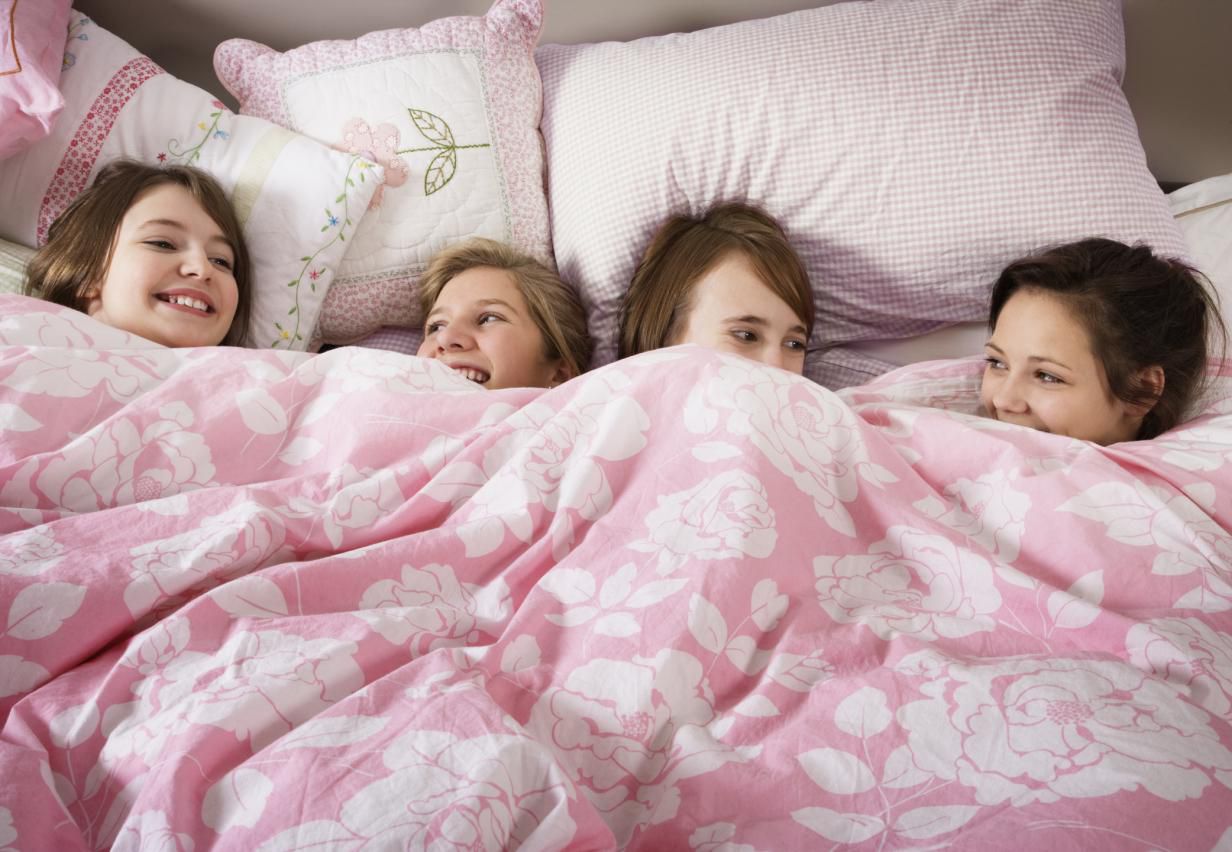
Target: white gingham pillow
x=910, y=149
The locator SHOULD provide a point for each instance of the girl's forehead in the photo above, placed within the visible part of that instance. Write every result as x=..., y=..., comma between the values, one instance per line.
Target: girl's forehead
x=478, y=286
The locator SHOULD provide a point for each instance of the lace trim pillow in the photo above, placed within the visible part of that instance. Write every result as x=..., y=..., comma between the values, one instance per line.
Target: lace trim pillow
x=298, y=200
x=450, y=109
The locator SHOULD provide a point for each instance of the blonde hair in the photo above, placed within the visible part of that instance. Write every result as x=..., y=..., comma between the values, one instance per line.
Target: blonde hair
x=81, y=241
x=554, y=306
x=657, y=303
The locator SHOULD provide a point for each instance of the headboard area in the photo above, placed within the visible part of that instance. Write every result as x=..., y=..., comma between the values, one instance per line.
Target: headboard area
x=1177, y=79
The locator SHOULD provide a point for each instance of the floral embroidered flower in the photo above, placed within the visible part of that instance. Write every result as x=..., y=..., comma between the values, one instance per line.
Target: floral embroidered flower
x=221, y=134
x=380, y=145
x=333, y=220
x=162, y=156
x=314, y=274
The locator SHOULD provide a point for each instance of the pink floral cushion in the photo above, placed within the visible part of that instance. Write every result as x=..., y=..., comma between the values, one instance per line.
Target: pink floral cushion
x=910, y=149
x=450, y=109
x=31, y=52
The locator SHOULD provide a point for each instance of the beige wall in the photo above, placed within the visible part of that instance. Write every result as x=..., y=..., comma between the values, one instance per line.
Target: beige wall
x=1179, y=78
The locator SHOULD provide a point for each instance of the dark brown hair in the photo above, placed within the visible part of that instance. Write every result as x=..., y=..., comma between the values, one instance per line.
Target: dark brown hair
x=1140, y=310
x=81, y=241
x=555, y=307
x=657, y=303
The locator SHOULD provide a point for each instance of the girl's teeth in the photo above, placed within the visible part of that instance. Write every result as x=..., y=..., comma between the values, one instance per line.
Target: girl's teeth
x=477, y=376
x=188, y=301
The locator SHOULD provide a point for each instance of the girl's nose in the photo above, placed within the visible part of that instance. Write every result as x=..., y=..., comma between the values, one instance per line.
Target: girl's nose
x=196, y=264
x=1009, y=397
x=453, y=336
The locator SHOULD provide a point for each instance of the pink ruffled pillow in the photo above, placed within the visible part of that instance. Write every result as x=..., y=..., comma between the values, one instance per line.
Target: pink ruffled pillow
x=450, y=109
x=31, y=55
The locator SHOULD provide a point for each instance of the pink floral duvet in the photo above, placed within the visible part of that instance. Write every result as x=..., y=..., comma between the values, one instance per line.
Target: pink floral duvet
x=264, y=600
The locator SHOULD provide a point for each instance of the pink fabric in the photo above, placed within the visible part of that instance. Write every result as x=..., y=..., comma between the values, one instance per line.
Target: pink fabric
x=31, y=53
x=910, y=149
x=682, y=602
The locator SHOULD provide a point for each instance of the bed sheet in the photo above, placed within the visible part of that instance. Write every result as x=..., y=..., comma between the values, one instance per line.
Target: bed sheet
x=269, y=600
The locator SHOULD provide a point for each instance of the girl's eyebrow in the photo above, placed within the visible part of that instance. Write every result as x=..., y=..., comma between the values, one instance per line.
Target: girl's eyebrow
x=179, y=226
x=481, y=303
x=762, y=322
x=1035, y=359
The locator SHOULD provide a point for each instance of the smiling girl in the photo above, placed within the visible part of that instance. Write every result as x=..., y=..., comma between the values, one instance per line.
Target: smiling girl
x=501, y=318
x=171, y=266
x=1097, y=340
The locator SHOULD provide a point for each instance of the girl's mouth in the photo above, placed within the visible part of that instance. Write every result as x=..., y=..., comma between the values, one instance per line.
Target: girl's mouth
x=184, y=301
x=477, y=376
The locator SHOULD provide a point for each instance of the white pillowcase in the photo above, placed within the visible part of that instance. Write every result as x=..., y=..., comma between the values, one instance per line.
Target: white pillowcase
x=298, y=201
x=1204, y=212
x=910, y=149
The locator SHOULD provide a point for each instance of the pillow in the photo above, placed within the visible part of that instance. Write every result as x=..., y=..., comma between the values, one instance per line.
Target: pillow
x=31, y=50
x=451, y=109
x=1204, y=212
x=13, y=260
x=909, y=149
x=299, y=201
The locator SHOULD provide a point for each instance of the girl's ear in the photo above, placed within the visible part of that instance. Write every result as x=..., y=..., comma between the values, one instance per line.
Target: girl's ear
x=91, y=299
x=561, y=373
x=1151, y=378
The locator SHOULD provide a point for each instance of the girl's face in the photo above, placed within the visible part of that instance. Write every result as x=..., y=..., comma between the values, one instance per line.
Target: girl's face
x=480, y=326
x=733, y=311
x=1043, y=373
x=170, y=279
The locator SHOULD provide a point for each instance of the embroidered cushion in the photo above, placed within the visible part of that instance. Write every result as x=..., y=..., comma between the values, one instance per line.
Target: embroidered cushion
x=451, y=109
x=31, y=50
x=910, y=149
x=298, y=200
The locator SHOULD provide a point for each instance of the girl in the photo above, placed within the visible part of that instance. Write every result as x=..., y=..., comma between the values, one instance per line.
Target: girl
x=153, y=251
x=728, y=280
x=1097, y=340
x=501, y=318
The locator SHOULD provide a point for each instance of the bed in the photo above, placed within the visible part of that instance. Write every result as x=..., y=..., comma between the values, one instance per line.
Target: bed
x=277, y=598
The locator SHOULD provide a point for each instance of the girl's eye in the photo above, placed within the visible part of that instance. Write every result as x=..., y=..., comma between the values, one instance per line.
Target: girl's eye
x=432, y=327
x=994, y=363
x=162, y=244
x=484, y=319
x=744, y=335
x=1048, y=378
x=796, y=346
x=222, y=263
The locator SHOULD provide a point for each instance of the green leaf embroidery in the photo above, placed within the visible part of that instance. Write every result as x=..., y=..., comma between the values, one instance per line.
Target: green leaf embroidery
x=432, y=127
x=440, y=171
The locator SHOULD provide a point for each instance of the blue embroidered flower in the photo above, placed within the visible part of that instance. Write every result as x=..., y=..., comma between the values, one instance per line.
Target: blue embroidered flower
x=333, y=221
x=221, y=134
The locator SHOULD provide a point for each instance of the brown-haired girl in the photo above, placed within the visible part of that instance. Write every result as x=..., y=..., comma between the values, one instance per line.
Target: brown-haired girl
x=157, y=252
x=1098, y=340
x=727, y=279
x=501, y=318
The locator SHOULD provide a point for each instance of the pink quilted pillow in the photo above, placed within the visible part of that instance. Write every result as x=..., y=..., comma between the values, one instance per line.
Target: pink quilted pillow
x=451, y=110
x=31, y=53
x=910, y=149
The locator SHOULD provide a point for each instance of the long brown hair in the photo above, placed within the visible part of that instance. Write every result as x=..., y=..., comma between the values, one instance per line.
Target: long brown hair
x=81, y=241
x=1139, y=309
x=555, y=307
x=657, y=303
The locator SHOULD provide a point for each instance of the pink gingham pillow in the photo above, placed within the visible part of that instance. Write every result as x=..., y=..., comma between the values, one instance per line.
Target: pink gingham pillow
x=451, y=109
x=31, y=52
x=910, y=149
